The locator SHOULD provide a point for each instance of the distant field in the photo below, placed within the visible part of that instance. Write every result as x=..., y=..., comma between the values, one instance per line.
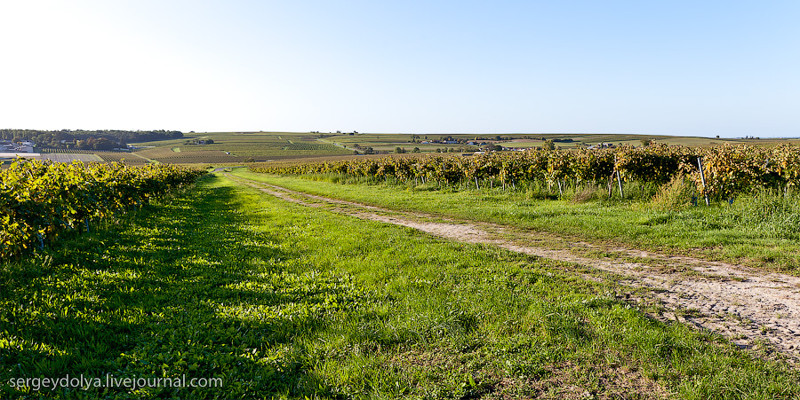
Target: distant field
x=60, y=155
x=235, y=148
x=629, y=140
x=126, y=158
x=240, y=147
x=70, y=157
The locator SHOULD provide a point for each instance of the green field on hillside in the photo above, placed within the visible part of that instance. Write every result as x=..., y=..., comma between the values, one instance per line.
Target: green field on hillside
x=235, y=148
x=238, y=147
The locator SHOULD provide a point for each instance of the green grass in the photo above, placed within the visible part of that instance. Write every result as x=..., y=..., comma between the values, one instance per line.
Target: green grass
x=282, y=301
x=758, y=230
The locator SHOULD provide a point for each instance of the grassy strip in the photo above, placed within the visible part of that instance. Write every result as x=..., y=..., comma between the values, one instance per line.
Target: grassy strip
x=757, y=230
x=288, y=302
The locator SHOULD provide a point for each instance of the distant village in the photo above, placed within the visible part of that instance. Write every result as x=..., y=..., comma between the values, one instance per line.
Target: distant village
x=491, y=144
x=11, y=150
x=7, y=146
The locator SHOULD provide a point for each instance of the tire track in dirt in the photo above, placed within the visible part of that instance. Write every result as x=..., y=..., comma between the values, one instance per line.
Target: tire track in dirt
x=751, y=308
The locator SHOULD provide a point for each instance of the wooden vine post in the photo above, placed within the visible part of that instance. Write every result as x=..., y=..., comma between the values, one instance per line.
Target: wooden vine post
x=619, y=180
x=702, y=178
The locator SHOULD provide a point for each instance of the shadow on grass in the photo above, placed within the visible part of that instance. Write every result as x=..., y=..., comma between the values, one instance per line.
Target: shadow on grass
x=184, y=288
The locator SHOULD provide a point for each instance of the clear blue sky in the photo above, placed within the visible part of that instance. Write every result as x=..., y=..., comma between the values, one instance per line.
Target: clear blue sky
x=729, y=68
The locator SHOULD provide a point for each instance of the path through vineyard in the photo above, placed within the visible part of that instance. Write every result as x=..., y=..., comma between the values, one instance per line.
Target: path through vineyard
x=752, y=308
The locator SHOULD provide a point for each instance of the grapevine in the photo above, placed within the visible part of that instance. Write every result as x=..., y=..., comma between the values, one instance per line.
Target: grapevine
x=40, y=200
x=729, y=170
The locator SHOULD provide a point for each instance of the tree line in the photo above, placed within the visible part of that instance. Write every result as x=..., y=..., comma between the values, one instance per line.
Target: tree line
x=86, y=139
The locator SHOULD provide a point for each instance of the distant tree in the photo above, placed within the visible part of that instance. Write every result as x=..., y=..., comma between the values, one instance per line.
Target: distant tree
x=416, y=150
x=548, y=145
x=64, y=138
x=646, y=142
x=103, y=144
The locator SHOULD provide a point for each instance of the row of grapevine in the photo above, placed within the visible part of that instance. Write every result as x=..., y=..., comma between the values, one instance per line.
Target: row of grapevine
x=728, y=169
x=39, y=200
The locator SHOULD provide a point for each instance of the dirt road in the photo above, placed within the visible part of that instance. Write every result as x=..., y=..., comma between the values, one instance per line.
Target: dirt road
x=754, y=309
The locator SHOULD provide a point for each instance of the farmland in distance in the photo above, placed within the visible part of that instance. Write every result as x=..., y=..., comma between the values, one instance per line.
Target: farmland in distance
x=237, y=148
x=229, y=148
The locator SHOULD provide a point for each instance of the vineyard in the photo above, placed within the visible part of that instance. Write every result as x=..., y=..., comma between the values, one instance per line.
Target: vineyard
x=169, y=156
x=70, y=155
x=717, y=172
x=121, y=157
x=312, y=147
x=40, y=200
x=236, y=148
